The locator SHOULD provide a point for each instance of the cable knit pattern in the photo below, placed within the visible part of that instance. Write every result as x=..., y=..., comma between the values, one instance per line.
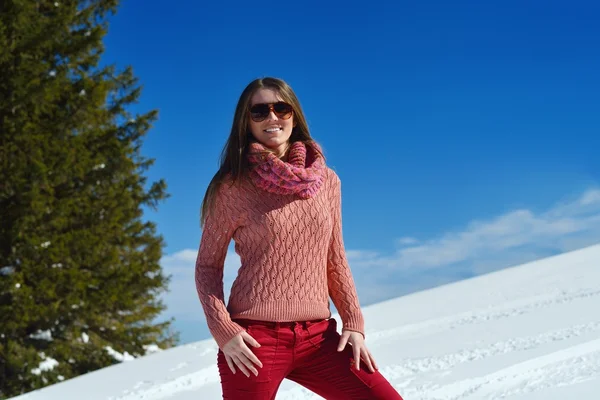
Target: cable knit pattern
x=292, y=258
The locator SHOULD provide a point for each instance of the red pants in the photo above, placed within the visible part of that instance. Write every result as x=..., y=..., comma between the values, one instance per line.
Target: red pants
x=306, y=353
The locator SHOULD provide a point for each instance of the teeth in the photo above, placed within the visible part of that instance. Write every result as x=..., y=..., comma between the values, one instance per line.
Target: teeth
x=272, y=129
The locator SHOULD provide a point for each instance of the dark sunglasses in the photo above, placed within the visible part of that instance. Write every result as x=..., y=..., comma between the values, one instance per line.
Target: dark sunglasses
x=260, y=111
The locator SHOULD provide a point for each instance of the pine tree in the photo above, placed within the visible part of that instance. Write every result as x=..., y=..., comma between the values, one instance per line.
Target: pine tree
x=79, y=270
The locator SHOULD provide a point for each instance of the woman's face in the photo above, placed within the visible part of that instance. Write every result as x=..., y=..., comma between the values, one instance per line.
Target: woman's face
x=273, y=132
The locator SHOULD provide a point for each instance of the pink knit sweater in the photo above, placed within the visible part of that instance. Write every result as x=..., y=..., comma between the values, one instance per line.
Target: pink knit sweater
x=292, y=259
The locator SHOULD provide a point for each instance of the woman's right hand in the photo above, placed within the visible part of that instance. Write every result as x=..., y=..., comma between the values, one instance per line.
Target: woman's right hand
x=238, y=353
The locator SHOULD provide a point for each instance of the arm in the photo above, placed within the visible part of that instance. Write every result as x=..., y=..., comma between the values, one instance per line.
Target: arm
x=216, y=235
x=339, y=277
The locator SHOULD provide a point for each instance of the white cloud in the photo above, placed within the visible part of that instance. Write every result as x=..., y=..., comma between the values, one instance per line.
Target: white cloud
x=407, y=241
x=179, y=258
x=590, y=197
x=561, y=228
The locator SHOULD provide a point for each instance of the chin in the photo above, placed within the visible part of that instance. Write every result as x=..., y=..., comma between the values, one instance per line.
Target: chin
x=273, y=142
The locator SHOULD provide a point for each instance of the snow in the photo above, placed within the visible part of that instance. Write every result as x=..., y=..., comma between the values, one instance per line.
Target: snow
x=119, y=356
x=42, y=335
x=530, y=332
x=47, y=364
x=7, y=270
x=152, y=348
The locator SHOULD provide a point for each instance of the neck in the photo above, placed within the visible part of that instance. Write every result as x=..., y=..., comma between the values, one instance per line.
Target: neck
x=283, y=152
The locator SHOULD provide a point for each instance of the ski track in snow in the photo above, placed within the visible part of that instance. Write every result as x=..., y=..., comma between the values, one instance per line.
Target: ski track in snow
x=568, y=366
x=523, y=377
x=445, y=362
x=162, y=390
x=565, y=367
x=537, y=342
x=510, y=309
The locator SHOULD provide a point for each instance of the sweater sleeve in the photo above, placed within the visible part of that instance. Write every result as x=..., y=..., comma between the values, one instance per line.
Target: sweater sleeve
x=339, y=277
x=216, y=236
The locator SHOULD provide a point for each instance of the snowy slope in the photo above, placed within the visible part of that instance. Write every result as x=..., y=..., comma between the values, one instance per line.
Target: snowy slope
x=530, y=332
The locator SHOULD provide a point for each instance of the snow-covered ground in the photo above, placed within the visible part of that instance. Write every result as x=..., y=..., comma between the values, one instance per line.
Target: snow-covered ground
x=530, y=332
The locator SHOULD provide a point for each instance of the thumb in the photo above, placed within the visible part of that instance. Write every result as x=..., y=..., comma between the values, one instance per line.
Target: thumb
x=250, y=339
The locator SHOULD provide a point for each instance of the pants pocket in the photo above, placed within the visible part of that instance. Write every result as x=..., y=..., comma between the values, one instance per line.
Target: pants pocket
x=321, y=326
x=319, y=332
x=268, y=339
x=239, y=381
x=362, y=376
x=370, y=379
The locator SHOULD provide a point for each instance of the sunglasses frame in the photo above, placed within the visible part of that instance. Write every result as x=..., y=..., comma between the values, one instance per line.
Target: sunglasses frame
x=272, y=108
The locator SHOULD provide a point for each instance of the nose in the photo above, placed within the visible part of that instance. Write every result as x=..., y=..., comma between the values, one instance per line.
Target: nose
x=272, y=115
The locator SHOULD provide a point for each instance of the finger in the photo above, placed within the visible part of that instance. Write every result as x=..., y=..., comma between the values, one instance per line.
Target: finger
x=343, y=341
x=357, y=357
x=367, y=359
x=248, y=338
x=373, y=361
x=230, y=363
x=252, y=357
x=248, y=352
x=241, y=366
x=249, y=364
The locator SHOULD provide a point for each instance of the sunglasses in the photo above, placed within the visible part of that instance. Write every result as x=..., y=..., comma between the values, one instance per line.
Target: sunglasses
x=260, y=111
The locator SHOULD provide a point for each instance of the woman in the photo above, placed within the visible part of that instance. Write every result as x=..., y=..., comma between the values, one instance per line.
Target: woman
x=275, y=196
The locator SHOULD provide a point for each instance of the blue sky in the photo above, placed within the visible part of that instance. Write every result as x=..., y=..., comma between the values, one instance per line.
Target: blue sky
x=465, y=134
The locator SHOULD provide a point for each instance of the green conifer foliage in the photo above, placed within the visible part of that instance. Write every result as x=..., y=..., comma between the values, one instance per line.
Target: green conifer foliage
x=79, y=268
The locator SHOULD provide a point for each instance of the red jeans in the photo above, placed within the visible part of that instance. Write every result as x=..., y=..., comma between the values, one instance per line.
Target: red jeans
x=306, y=353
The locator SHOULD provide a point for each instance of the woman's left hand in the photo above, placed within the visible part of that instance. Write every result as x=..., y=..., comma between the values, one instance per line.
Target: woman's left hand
x=360, y=349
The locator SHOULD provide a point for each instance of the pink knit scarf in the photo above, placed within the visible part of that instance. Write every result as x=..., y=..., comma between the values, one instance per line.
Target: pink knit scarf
x=302, y=174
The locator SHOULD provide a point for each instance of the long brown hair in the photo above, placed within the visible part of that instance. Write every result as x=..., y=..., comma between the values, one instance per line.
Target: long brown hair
x=233, y=160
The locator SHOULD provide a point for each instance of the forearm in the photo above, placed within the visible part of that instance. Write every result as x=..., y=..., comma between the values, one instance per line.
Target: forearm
x=209, y=285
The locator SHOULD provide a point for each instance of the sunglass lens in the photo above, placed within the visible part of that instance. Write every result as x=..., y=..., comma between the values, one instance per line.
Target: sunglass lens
x=259, y=111
x=282, y=108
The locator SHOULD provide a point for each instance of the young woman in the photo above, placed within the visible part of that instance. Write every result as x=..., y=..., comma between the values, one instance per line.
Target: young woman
x=280, y=202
